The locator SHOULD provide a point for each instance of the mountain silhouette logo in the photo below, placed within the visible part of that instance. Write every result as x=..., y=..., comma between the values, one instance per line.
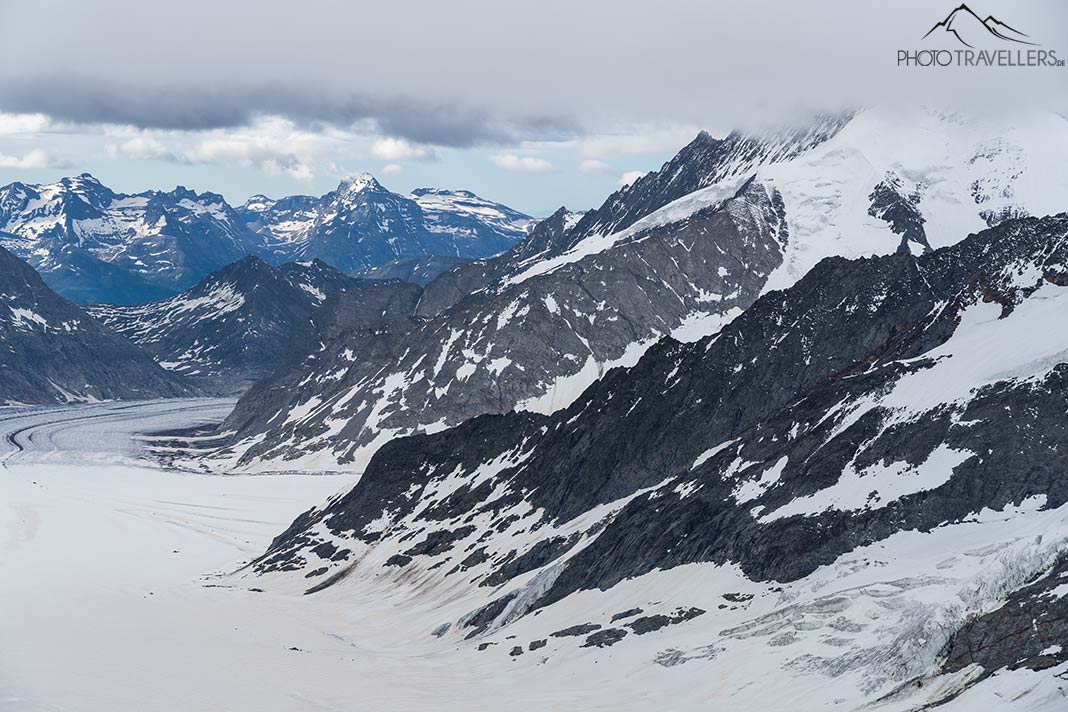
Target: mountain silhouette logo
x=965, y=25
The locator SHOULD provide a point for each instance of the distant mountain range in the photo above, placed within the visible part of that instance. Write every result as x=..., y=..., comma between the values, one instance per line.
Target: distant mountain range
x=362, y=225
x=94, y=245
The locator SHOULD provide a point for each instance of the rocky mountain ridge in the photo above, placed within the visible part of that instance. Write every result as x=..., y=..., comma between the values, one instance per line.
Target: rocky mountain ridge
x=51, y=351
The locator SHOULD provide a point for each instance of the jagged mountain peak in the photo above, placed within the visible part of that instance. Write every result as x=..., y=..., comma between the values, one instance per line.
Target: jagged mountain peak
x=82, y=179
x=259, y=201
x=84, y=188
x=250, y=265
x=182, y=192
x=704, y=162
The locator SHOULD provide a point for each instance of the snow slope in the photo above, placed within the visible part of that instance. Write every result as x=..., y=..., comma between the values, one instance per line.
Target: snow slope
x=970, y=172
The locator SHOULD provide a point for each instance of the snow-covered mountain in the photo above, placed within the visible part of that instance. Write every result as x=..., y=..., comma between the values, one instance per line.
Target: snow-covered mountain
x=51, y=351
x=362, y=224
x=231, y=328
x=680, y=252
x=464, y=214
x=91, y=244
x=853, y=496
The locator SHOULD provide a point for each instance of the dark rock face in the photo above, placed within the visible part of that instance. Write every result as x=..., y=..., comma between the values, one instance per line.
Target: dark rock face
x=629, y=613
x=1029, y=631
x=356, y=317
x=535, y=344
x=51, y=351
x=605, y=638
x=230, y=329
x=649, y=624
x=892, y=203
x=417, y=270
x=91, y=244
x=574, y=630
x=743, y=448
x=362, y=225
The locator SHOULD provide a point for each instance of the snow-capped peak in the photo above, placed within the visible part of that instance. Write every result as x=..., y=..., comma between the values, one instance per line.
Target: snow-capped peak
x=82, y=180
x=419, y=192
x=358, y=183
x=258, y=203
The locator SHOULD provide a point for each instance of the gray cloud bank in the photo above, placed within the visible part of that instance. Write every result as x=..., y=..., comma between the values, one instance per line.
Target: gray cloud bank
x=475, y=72
x=179, y=105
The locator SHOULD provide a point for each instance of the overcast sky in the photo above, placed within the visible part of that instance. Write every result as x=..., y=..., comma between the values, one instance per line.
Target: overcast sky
x=536, y=104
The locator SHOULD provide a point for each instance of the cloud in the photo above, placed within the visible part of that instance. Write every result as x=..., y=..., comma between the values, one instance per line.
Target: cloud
x=594, y=166
x=392, y=169
x=273, y=145
x=143, y=148
x=398, y=149
x=522, y=164
x=35, y=158
x=635, y=140
x=248, y=151
x=298, y=171
x=14, y=124
x=629, y=177
x=180, y=106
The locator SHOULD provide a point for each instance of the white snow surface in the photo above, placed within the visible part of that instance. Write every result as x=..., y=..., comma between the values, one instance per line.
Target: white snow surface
x=961, y=165
x=438, y=204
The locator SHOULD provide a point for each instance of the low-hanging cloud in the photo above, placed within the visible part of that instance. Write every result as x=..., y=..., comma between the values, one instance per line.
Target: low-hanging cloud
x=495, y=74
x=179, y=105
x=398, y=149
